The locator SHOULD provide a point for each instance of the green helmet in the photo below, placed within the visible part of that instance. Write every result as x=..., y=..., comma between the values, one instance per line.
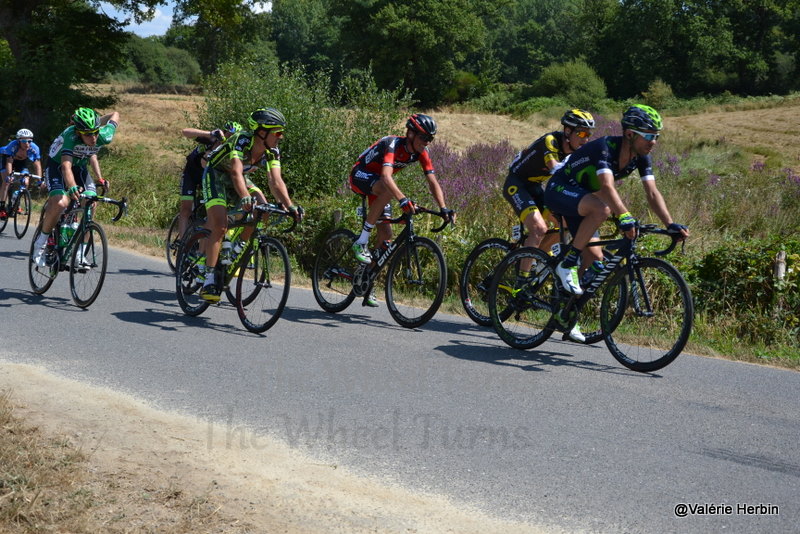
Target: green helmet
x=86, y=119
x=641, y=117
x=232, y=127
x=266, y=118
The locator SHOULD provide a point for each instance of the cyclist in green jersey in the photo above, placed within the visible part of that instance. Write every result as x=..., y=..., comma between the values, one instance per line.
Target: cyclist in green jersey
x=225, y=182
x=67, y=174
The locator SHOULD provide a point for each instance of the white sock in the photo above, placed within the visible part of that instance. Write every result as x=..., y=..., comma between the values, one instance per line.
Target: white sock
x=42, y=239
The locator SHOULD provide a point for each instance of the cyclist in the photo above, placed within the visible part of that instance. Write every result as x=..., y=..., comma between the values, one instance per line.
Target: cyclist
x=372, y=176
x=192, y=178
x=224, y=180
x=67, y=174
x=18, y=156
x=583, y=189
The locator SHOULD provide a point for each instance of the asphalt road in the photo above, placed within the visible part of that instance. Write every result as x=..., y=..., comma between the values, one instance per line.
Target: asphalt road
x=561, y=436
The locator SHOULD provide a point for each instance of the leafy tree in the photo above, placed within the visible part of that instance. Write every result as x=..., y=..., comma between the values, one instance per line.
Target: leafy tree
x=307, y=32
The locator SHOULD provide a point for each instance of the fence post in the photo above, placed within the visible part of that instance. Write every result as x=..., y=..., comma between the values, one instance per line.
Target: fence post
x=337, y=217
x=779, y=273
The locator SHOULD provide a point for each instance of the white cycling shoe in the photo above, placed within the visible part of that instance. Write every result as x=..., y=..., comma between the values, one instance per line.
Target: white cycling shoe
x=569, y=279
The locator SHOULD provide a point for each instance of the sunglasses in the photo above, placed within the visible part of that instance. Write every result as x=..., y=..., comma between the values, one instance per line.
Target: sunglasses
x=89, y=132
x=28, y=141
x=646, y=136
x=583, y=134
x=278, y=133
x=425, y=137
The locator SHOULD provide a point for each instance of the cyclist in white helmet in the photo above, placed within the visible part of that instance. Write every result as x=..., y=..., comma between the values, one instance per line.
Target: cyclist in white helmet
x=18, y=156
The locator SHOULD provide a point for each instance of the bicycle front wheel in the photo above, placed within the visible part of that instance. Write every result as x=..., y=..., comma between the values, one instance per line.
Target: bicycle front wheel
x=88, y=265
x=416, y=282
x=188, y=276
x=521, y=312
x=41, y=278
x=266, y=283
x=4, y=220
x=334, y=268
x=22, y=213
x=656, y=322
x=476, y=276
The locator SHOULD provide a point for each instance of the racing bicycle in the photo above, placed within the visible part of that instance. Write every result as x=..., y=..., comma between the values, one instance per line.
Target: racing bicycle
x=259, y=266
x=415, y=281
x=18, y=203
x=173, y=242
x=77, y=244
x=643, y=310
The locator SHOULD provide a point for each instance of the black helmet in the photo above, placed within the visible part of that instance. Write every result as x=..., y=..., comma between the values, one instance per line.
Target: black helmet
x=85, y=119
x=577, y=118
x=421, y=123
x=641, y=117
x=266, y=118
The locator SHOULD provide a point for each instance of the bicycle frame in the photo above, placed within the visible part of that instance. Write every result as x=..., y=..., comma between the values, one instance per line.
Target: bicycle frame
x=63, y=252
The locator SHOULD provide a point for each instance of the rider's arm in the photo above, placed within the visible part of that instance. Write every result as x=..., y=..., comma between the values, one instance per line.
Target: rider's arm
x=237, y=178
x=278, y=187
x=436, y=189
x=66, y=173
x=94, y=165
x=110, y=117
x=195, y=133
x=656, y=202
x=387, y=180
x=37, y=167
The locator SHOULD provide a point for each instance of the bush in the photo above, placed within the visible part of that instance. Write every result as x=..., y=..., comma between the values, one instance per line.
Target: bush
x=574, y=81
x=659, y=95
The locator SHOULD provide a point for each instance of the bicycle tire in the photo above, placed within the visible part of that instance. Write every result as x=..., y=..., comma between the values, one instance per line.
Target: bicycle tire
x=41, y=278
x=657, y=319
x=589, y=317
x=522, y=319
x=416, y=282
x=173, y=242
x=476, y=277
x=334, y=268
x=22, y=212
x=187, y=287
x=269, y=281
x=86, y=281
x=4, y=221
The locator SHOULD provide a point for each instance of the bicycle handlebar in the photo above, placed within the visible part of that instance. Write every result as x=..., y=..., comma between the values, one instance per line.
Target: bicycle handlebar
x=122, y=205
x=676, y=237
x=278, y=210
x=420, y=210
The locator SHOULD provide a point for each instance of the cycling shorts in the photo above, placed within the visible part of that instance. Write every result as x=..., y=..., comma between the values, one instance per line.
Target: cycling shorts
x=55, y=180
x=361, y=182
x=218, y=189
x=563, y=197
x=524, y=196
x=192, y=178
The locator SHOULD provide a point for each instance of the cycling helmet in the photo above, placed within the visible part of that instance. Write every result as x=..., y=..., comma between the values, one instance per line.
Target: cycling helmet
x=24, y=133
x=421, y=123
x=641, y=117
x=86, y=119
x=266, y=118
x=232, y=127
x=577, y=118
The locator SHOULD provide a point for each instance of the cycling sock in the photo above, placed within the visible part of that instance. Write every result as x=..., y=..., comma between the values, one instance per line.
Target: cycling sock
x=571, y=259
x=365, y=231
x=209, y=281
x=42, y=239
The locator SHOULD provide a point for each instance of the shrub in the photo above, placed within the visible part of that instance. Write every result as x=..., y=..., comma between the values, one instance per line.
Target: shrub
x=574, y=81
x=659, y=95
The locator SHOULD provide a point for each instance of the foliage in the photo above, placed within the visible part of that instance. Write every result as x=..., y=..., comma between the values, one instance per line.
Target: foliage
x=574, y=81
x=322, y=140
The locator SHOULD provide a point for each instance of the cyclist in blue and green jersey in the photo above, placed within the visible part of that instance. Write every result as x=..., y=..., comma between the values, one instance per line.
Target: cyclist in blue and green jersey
x=583, y=189
x=225, y=183
x=67, y=173
x=18, y=156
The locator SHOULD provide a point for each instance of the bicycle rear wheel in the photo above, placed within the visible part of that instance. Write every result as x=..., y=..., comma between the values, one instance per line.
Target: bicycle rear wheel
x=521, y=316
x=266, y=284
x=173, y=243
x=334, y=268
x=4, y=220
x=476, y=276
x=41, y=278
x=88, y=265
x=657, y=318
x=22, y=213
x=416, y=282
x=188, y=277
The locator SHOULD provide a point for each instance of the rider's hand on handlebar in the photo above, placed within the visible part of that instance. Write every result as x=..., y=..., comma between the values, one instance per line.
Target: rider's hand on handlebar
x=105, y=184
x=246, y=203
x=448, y=214
x=74, y=192
x=675, y=228
x=627, y=224
x=407, y=205
x=297, y=212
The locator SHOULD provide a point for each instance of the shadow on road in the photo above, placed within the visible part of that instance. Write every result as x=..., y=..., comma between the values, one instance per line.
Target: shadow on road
x=9, y=297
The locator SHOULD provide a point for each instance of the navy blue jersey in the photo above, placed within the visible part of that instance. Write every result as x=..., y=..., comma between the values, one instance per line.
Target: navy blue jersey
x=600, y=155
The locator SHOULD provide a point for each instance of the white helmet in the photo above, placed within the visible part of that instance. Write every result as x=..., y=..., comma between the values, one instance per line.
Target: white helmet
x=24, y=133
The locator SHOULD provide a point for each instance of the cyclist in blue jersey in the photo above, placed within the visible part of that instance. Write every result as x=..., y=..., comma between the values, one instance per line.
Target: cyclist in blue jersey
x=583, y=189
x=71, y=155
x=18, y=156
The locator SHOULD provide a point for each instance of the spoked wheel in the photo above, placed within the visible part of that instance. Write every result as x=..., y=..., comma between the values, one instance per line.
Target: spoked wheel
x=173, y=243
x=188, y=277
x=88, y=265
x=264, y=284
x=589, y=317
x=657, y=319
x=334, y=268
x=476, y=276
x=41, y=278
x=4, y=220
x=22, y=213
x=521, y=312
x=415, y=282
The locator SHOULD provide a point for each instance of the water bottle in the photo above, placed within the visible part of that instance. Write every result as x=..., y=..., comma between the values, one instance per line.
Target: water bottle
x=593, y=270
x=225, y=252
x=67, y=231
x=14, y=196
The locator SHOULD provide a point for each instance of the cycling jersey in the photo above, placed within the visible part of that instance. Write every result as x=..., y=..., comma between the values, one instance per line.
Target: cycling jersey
x=389, y=151
x=218, y=188
x=33, y=153
x=531, y=163
x=69, y=143
x=192, y=177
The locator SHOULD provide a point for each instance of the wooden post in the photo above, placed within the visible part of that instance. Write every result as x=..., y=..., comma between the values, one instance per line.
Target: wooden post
x=337, y=217
x=779, y=273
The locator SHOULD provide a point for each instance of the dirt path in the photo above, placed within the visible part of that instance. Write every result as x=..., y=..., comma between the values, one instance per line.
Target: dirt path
x=231, y=480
